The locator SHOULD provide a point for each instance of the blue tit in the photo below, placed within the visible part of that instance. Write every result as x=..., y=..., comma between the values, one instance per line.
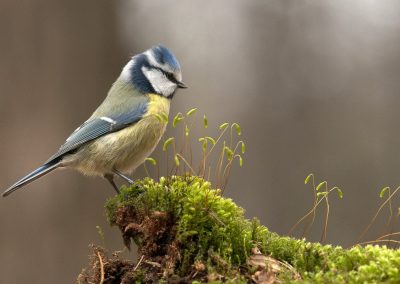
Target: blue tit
x=124, y=130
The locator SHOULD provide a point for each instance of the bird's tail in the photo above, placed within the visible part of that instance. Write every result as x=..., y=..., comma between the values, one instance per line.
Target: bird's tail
x=46, y=168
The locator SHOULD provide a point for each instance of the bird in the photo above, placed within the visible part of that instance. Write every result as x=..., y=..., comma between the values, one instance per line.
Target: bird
x=126, y=127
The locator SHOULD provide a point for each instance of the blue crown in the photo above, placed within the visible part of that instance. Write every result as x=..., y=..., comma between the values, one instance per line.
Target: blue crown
x=164, y=56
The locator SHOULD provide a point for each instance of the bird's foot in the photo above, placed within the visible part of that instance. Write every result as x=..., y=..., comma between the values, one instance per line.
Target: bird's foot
x=121, y=175
x=110, y=178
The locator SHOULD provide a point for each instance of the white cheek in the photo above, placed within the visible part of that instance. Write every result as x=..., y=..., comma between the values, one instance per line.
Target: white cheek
x=160, y=83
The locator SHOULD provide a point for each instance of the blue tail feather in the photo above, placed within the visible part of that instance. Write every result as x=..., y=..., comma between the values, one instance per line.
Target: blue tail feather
x=46, y=168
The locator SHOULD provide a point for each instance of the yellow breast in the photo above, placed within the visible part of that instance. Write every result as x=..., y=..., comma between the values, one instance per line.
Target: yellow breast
x=158, y=105
x=143, y=137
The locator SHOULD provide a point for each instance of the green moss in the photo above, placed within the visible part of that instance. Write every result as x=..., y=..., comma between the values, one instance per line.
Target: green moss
x=188, y=221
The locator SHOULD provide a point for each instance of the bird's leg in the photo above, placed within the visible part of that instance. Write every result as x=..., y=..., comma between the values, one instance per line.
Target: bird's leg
x=121, y=175
x=110, y=178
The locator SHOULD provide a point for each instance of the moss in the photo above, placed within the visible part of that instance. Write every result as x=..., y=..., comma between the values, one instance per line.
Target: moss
x=192, y=233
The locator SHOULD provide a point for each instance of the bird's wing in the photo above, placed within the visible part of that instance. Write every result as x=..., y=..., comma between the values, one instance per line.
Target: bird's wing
x=99, y=126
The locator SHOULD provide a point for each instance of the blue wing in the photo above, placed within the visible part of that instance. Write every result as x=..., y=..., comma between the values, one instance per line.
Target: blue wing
x=99, y=126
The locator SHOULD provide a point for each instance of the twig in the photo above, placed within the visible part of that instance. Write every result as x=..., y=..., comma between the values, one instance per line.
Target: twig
x=137, y=265
x=101, y=268
x=156, y=264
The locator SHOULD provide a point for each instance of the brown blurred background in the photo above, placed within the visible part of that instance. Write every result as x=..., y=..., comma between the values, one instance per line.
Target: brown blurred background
x=314, y=84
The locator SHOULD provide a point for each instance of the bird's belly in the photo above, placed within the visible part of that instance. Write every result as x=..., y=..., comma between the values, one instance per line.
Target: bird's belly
x=123, y=150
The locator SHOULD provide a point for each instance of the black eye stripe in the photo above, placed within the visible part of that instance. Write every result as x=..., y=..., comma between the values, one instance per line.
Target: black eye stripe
x=169, y=76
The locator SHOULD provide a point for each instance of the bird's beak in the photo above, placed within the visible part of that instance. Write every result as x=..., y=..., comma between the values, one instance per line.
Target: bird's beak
x=182, y=85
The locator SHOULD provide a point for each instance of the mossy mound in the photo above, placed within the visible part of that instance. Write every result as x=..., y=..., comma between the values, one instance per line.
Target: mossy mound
x=186, y=231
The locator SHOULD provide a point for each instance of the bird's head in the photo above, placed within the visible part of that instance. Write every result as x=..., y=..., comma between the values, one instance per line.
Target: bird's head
x=154, y=71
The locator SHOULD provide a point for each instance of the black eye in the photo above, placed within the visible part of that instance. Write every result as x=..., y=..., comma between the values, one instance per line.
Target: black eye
x=171, y=77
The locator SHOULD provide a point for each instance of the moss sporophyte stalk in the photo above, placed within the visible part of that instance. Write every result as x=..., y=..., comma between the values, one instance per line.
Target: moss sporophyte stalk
x=185, y=230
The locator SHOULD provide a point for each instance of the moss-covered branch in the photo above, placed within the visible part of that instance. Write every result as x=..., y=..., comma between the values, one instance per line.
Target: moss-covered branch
x=186, y=231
